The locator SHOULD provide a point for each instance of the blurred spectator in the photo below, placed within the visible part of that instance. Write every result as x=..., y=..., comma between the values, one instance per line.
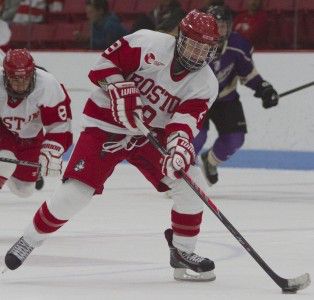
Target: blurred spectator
x=143, y=22
x=163, y=11
x=9, y=9
x=55, y=5
x=253, y=23
x=31, y=11
x=170, y=25
x=208, y=3
x=105, y=25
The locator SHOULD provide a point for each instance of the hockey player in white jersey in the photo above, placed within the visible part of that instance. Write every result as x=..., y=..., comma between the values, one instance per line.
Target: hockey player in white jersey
x=168, y=82
x=35, y=122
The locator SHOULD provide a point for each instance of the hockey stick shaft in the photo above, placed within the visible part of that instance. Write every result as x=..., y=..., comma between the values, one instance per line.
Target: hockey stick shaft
x=281, y=282
x=21, y=162
x=304, y=86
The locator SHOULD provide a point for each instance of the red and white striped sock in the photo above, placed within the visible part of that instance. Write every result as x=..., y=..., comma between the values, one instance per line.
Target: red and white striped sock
x=186, y=224
x=45, y=222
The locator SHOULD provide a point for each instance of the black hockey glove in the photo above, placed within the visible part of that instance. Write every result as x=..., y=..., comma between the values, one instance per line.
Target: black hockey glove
x=268, y=94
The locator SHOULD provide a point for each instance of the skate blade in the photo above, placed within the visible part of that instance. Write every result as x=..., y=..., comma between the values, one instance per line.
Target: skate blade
x=182, y=274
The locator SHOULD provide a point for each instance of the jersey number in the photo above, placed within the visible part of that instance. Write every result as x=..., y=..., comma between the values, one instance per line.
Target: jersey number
x=149, y=114
x=113, y=47
x=62, y=112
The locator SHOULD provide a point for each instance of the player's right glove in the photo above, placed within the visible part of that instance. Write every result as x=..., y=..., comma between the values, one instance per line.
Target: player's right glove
x=268, y=94
x=181, y=155
x=50, y=158
x=125, y=100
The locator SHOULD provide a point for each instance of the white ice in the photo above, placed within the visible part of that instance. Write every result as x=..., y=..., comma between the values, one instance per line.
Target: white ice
x=115, y=249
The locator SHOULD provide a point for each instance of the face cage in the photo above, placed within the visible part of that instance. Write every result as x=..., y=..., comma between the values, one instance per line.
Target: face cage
x=15, y=95
x=193, y=55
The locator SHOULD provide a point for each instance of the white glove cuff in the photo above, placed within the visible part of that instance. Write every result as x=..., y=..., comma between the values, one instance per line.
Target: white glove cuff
x=54, y=148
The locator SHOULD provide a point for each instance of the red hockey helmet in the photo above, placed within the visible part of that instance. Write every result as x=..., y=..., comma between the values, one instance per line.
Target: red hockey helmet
x=19, y=73
x=198, y=40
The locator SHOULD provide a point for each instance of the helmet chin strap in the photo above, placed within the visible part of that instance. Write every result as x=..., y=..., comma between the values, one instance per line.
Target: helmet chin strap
x=15, y=98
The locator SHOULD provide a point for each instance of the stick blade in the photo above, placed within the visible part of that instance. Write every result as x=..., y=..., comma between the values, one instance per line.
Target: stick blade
x=298, y=283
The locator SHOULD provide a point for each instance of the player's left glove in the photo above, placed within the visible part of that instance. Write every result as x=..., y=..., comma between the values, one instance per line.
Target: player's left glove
x=181, y=155
x=268, y=94
x=125, y=101
x=50, y=158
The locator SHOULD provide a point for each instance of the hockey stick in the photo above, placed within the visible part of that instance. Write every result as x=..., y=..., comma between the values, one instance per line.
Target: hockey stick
x=21, y=162
x=287, y=285
x=296, y=89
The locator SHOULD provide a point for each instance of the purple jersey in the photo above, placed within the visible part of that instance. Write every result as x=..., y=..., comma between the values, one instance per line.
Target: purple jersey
x=235, y=64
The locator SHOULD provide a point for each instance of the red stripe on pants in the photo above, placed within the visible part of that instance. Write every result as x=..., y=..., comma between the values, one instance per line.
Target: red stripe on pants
x=186, y=225
x=45, y=222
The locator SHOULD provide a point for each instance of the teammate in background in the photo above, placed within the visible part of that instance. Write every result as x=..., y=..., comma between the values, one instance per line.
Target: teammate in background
x=168, y=82
x=5, y=35
x=31, y=100
x=234, y=61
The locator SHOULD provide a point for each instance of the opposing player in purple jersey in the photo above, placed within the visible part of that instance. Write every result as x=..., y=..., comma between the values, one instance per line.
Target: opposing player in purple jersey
x=232, y=64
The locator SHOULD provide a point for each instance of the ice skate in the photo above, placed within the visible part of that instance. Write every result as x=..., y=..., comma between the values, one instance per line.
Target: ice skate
x=17, y=254
x=189, y=266
x=209, y=170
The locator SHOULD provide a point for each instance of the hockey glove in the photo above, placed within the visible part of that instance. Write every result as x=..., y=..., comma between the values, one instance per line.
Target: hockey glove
x=181, y=155
x=268, y=94
x=125, y=100
x=50, y=158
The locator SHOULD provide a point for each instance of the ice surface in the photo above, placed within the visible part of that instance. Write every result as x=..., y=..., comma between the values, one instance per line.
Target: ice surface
x=115, y=249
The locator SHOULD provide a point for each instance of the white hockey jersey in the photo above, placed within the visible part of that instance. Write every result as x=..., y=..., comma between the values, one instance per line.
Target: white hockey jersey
x=173, y=102
x=47, y=106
